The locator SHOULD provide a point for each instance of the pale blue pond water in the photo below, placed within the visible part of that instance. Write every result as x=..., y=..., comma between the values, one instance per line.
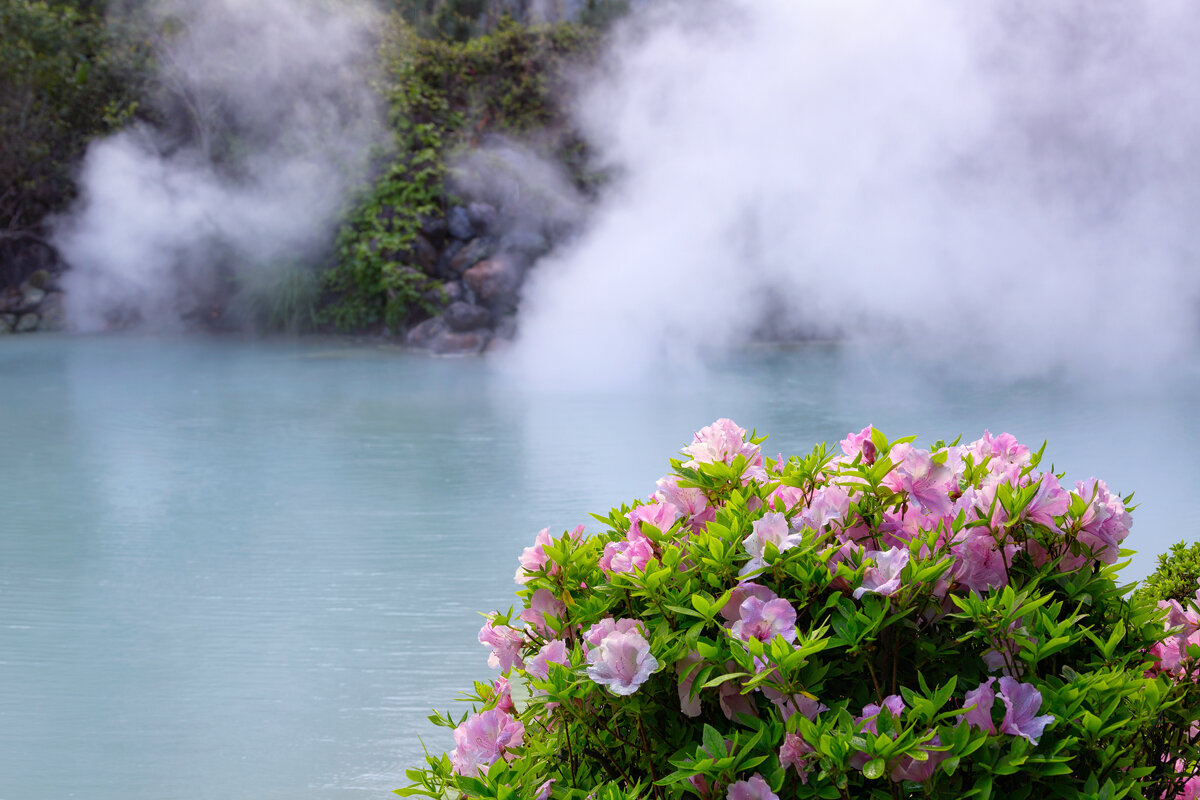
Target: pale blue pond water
x=235, y=570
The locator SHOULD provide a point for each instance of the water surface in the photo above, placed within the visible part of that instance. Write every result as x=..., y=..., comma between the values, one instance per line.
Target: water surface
x=249, y=570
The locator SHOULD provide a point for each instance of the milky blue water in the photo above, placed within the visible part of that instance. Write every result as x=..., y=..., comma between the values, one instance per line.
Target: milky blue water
x=245, y=570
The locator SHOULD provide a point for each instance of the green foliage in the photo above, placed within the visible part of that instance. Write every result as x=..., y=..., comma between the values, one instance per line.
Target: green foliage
x=64, y=79
x=1177, y=574
x=832, y=626
x=442, y=96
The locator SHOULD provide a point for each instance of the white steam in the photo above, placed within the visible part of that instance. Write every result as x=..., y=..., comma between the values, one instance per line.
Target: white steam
x=268, y=118
x=1009, y=184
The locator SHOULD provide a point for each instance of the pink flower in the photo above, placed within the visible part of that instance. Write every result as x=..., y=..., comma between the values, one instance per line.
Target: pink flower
x=622, y=662
x=1105, y=521
x=802, y=704
x=732, y=610
x=543, y=604
x=884, y=577
x=894, y=703
x=503, y=696
x=916, y=770
x=721, y=441
x=754, y=789
x=534, y=558
x=771, y=528
x=690, y=502
x=1050, y=501
x=685, y=668
x=860, y=444
x=980, y=565
x=506, y=645
x=660, y=515
x=482, y=739
x=982, y=697
x=1022, y=701
x=1007, y=456
x=926, y=481
x=544, y=790
x=784, y=498
x=627, y=555
x=829, y=504
x=733, y=703
x=604, y=627
x=794, y=753
x=554, y=652
x=765, y=621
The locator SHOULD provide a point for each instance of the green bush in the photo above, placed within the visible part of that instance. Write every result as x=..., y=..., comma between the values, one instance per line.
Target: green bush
x=1177, y=574
x=64, y=79
x=443, y=96
x=881, y=622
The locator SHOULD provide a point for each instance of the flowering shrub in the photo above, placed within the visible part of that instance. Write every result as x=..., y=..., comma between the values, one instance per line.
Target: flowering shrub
x=883, y=621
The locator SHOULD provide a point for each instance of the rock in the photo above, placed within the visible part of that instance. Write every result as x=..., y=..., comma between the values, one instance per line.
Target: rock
x=461, y=317
x=465, y=343
x=6, y=323
x=471, y=254
x=482, y=216
x=54, y=317
x=424, y=254
x=455, y=291
x=27, y=322
x=10, y=300
x=526, y=242
x=424, y=333
x=448, y=253
x=506, y=328
x=31, y=297
x=433, y=227
x=459, y=223
x=495, y=283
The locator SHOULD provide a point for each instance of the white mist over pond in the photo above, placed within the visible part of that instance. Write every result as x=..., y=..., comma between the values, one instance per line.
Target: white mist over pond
x=237, y=570
x=1011, y=185
x=266, y=115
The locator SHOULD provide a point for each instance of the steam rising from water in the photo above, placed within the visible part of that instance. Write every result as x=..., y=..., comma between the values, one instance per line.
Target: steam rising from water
x=268, y=118
x=1010, y=185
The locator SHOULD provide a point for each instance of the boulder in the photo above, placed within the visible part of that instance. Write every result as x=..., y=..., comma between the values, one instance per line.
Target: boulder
x=458, y=222
x=452, y=248
x=425, y=333
x=7, y=321
x=31, y=297
x=27, y=322
x=525, y=242
x=495, y=283
x=433, y=227
x=461, y=317
x=468, y=256
x=483, y=216
x=424, y=254
x=452, y=343
x=54, y=317
x=11, y=300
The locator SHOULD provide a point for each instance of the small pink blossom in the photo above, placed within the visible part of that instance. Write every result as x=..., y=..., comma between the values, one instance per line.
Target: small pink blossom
x=884, y=577
x=860, y=443
x=1050, y=501
x=765, y=621
x=622, y=662
x=721, y=441
x=660, y=515
x=596, y=634
x=506, y=643
x=894, y=703
x=690, y=502
x=731, y=699
x=982, y=697
x=795, y=753
x=544, y=790
x=627, y=555
x=685, y=669
x=754, y=789
x=771, y=528
x=926, y=482
x=482, y=739
x=503, y=696
x=732, y=610
x=1105, y=522
x=829, y=504
x=554, y=652
x=785, y=498
x=1022, y=701
x=543, y=604
x=919, y=770
x=1006, y=456
x=979, y=564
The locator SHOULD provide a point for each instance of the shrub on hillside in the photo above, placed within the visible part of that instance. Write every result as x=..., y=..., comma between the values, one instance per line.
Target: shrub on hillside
x=884, y=621
x=63, y=80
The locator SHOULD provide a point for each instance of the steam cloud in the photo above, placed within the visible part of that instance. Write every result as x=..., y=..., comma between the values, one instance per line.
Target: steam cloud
x=1011, y=185
x=268, y=119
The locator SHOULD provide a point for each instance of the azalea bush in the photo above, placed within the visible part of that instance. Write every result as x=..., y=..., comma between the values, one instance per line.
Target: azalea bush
x=878, y=621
